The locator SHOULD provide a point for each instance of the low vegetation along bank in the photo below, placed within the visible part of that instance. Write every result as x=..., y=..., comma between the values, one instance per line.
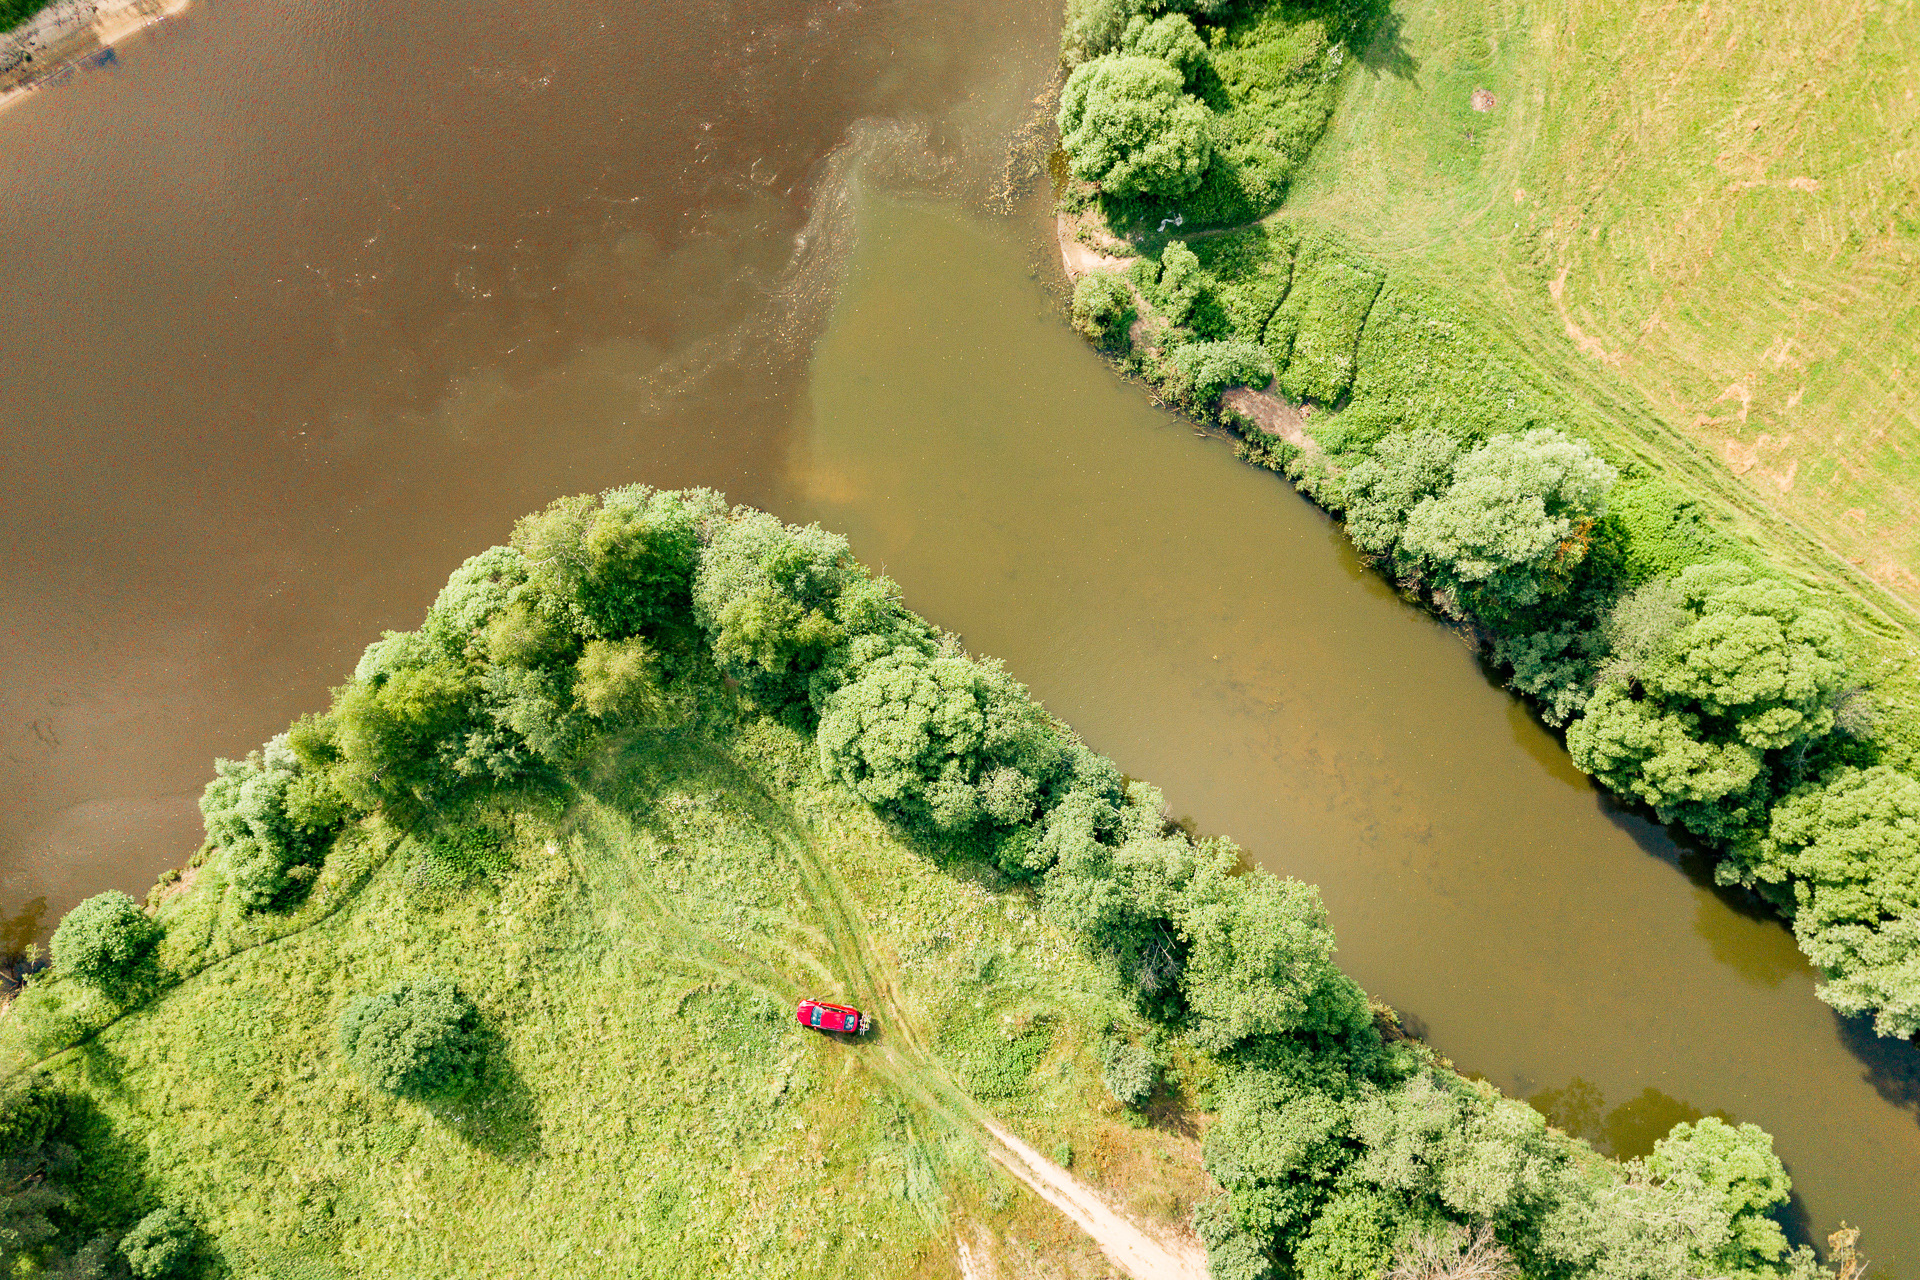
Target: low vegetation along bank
x=1702, y=666
x=489, y=968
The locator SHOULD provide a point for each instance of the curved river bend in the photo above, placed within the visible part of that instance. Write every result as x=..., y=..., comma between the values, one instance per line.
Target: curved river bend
x=313, y=301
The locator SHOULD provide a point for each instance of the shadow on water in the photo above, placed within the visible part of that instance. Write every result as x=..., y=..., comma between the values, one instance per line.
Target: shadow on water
x=1891, y=1066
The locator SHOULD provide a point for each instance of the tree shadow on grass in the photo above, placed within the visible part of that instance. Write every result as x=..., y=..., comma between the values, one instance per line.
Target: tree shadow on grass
x=498, y=1113
x=1385, y=50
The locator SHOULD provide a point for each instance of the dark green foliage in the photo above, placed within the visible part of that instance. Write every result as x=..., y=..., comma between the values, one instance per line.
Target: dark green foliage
x=107, y=943
x=419, y=1039
x=1128, y=126
x=274, y=818
x=160, y=1244
x=1260, y=961
x=1314, y=335
x=1352, y=1238
x=1249, y=272
x=1103, y=308
x=1665, y=531
x=1420, y=361
x=1177, y=285
x=1198, y=372
x=37, y=1170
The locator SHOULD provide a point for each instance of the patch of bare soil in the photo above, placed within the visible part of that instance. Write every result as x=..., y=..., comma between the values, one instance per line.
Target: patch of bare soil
x=1272, y=414
x=1079, y=257
x=1482, y=100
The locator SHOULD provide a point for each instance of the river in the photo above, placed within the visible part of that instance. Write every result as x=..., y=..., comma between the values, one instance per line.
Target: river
x=310, y=303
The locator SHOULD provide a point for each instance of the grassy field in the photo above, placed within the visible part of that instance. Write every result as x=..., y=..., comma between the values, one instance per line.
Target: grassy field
x=1702, y=219
x=649, y=1107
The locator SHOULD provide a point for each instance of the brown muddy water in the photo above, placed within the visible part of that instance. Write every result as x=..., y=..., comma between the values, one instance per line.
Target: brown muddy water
x=306, y=304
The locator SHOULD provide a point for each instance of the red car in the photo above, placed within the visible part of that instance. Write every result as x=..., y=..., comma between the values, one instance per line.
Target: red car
x=821, y=1016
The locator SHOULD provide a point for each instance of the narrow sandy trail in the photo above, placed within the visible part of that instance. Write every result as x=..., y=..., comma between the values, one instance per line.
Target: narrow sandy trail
x=1126, y=1246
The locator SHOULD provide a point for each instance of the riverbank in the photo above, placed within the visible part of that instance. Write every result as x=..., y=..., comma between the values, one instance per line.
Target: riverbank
x=1598, y=556
x=754, y=775
x=52, y=45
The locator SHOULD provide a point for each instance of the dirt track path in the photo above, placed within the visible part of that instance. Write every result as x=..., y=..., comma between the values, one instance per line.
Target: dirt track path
x=907, y=1063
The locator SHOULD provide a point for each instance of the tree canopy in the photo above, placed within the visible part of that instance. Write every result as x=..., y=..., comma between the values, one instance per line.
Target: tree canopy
x=106, y=942
x=1128, y=124
x=417, y=1039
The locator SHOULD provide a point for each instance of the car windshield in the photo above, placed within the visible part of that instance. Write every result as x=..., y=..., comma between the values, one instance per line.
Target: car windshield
x=818, y=1014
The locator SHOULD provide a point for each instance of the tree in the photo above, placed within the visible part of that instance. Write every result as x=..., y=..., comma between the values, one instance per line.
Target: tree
x=621, y=562
x=1710, y=675
x=274, y=819
x=160, y=1244
x=941, y=741
x=1404, y=470
x=1736, y=1165
x=618, y=683
x=1850, y=848
x=781, y=603
x=1872, y=969
x=1513, y=522
x=1672, y=761
x=1178, y=284
x=1127, y=124
x=1260, y=959
x=106, y=942
x=417, y=1039
x=1171, y=38
x=1756, y=655
x=1103, y=308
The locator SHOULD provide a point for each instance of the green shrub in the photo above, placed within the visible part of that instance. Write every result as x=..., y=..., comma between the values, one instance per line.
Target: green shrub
x=1316, y=331
x=274, y=819
x=1129, y=1072
x=1127, y=125
x=160, y=1244
x=107, y=943
x=1103, y=308
x=417, y=1040
x=1199, y=371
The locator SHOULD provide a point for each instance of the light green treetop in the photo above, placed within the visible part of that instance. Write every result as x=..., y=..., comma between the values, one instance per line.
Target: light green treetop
x=1128, y=125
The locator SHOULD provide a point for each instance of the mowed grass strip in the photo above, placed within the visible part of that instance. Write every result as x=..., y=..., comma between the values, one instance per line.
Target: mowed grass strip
x=648, y=1107
x=1703, y=219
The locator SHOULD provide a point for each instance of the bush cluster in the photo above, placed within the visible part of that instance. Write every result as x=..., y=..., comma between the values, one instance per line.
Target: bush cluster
x=1203, y=113
x=107, y=943
x=418, y=1039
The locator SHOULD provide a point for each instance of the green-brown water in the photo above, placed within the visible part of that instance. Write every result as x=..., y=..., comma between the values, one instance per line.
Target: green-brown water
x=309, y=303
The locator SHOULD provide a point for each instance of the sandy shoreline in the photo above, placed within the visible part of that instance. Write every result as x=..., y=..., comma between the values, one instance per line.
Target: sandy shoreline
x=51, y=45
